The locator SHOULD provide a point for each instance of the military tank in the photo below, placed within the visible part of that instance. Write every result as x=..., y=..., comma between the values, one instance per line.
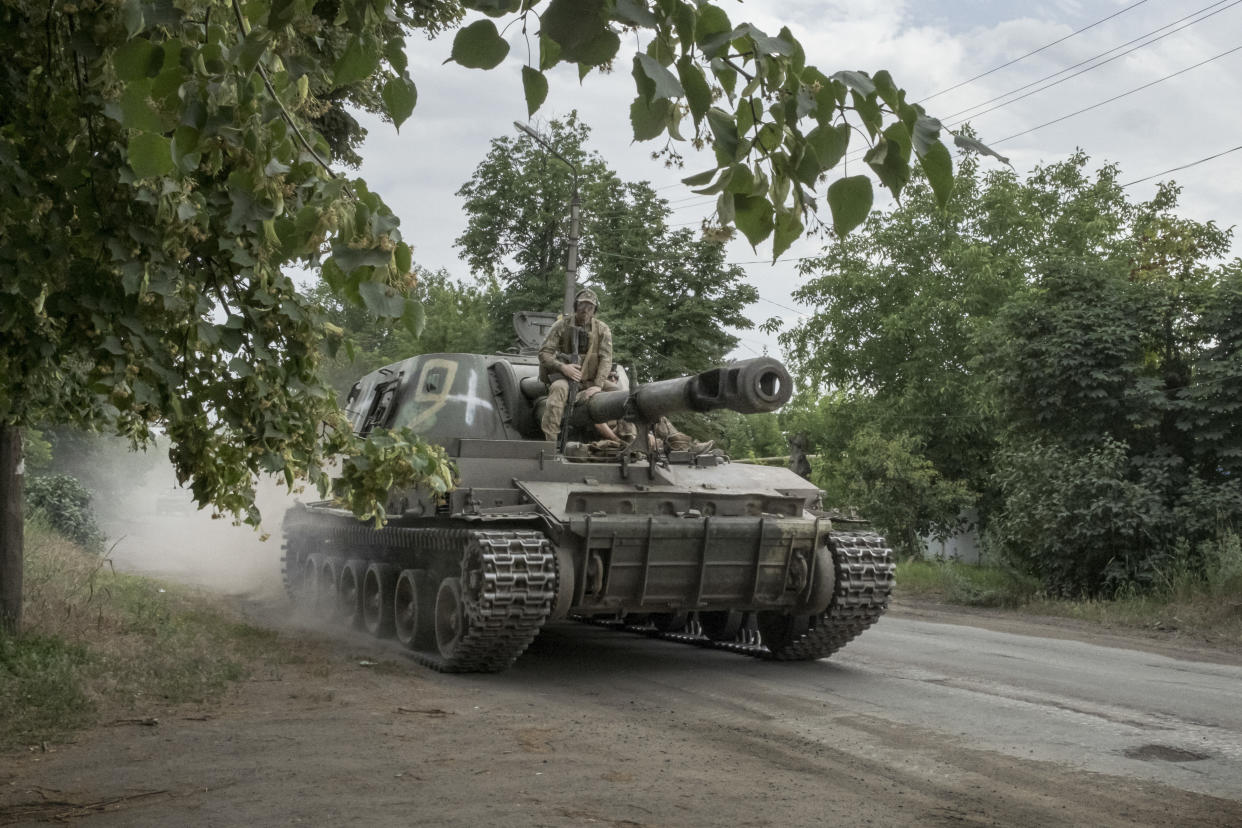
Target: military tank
x=689, y=547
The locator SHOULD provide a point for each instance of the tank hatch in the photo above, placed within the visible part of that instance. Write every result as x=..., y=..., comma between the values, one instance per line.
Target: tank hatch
x=532, y=329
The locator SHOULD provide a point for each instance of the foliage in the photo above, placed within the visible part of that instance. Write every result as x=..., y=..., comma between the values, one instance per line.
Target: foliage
x=667, y=295
x=99, y=642
x=741, y=436
x=1076, y=519
x=162, y=153
x=1111, y=378
x=65, y=504
x=389, y=459
x=776, y=124
x=458, y=318
x=966, y=584
x=1051, y=349
x=889, y=480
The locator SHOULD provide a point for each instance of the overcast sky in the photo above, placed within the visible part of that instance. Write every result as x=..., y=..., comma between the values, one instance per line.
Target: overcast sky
x=1184, y=115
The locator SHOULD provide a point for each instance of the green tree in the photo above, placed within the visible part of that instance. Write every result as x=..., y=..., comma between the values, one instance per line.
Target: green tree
x=161, y=164
x=668, y=295
x=1022, y=325
x=458, y=320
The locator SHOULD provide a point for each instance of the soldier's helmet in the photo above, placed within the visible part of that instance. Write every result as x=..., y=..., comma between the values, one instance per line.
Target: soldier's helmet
x=586, y=295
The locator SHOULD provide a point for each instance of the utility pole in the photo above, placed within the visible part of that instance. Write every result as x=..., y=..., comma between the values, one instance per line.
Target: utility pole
x=571, y=266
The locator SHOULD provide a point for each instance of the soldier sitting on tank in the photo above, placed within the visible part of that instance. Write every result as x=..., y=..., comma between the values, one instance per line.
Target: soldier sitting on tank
x=618, y=434
x=558, y=365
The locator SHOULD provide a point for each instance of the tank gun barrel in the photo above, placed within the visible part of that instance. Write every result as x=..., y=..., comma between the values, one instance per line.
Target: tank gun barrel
x=749, y=386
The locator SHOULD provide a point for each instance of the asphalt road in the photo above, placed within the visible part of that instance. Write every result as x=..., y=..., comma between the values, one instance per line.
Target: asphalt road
x=1081, y=706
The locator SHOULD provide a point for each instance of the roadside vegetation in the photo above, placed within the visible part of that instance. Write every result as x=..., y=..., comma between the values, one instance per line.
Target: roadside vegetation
x=1197, y=596
x=100, y=646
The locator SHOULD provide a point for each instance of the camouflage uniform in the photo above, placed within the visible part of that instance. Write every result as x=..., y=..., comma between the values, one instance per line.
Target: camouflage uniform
x=596, y=363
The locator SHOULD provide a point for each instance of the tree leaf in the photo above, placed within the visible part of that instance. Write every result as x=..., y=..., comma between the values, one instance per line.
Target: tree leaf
x=712, y=30
x=788, y=229
x=698, y=92
x=636, y=13
x=382, y=300
x=400, y=97
x=403, y=257
x=649, y=120
x=349, y=259
x=829, y=144
x=966, y=142
x=252, y=48
x=850, y=200
x=138, y=58
x=724, y=131
x=665, y=83
x=535, y=85
x=414, y=317
x=135, y=110
x=938, y=166
x=753, y=216
x=357, y=62
x=479, y=46
x=150, y=155
x=597, y=51
x=925, y=134
x=184, y=148
x=699, y=179
x=857, y=81
x=581, y=30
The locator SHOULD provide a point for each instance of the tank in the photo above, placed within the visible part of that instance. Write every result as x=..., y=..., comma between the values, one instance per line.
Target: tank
x=690, y=547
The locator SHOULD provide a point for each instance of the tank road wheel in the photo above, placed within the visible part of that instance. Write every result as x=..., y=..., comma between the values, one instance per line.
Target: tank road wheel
x=778, y=630
x=670, y=622
x=325, y=588
x=377, y=588
x=349, y=592
x=414, y=609
x=450, y=617
x=308, y=581
x=723, y=625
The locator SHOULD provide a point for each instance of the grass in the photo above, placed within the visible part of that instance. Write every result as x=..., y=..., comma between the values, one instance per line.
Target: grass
x=98, y=644
x=1205, y=605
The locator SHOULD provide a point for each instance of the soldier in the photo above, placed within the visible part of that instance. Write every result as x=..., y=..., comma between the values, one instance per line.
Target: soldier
x=590, y=371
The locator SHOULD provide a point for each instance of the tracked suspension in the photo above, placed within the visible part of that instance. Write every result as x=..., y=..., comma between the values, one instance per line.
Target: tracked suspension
x=478, y=618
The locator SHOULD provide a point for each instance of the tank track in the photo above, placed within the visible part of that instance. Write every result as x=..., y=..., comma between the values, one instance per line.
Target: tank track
x=511, y=580
x=508, y=580
x=861, y=591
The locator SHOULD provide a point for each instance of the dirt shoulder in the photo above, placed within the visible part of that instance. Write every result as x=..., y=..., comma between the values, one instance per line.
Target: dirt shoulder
x=1170, y=643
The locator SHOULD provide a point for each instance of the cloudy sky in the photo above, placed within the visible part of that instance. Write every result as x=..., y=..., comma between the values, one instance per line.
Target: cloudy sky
x=1172, y=68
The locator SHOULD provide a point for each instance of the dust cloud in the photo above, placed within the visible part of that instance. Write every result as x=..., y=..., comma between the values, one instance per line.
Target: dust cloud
x=155, y=528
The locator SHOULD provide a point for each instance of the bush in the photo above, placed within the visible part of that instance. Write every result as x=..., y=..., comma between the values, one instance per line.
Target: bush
x=1077, y=521
x=65, y=505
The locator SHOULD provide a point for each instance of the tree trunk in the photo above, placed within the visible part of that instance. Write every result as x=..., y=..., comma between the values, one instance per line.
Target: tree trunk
x=10, y=529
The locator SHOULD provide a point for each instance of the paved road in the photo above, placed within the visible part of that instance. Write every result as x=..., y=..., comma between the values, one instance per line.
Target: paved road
x=1093, y=708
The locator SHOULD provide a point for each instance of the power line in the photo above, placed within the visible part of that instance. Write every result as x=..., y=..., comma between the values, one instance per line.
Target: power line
x=1182, y=167
x=1231, y=3
x=1033, y=52
x=1116, y=97
x=1088, y=69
